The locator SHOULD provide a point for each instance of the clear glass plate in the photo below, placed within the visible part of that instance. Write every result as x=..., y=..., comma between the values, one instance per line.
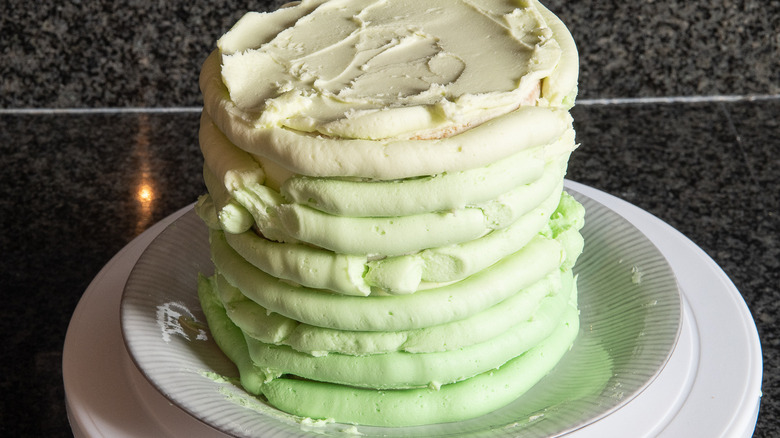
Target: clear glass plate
x=630, y=320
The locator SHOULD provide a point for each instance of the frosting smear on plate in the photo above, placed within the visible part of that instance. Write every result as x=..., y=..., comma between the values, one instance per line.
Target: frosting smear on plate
x=391, y=239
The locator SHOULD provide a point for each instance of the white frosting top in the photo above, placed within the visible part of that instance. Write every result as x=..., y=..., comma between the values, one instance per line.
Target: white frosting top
x=343, y=65
x=369, y=89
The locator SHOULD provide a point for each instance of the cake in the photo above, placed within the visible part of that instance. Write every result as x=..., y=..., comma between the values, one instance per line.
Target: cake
x=391, y=239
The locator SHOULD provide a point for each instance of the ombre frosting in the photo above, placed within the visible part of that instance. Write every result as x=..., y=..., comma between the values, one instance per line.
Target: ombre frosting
x=391, y=239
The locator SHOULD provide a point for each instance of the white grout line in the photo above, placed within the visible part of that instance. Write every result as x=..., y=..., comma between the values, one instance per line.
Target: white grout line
x=106, y=110
x=582, y=102
x=677, y=99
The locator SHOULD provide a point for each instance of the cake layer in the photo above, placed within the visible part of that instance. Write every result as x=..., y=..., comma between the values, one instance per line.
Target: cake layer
x=271, y=328
x=467, y=399
x=278, y=219
x=400, y=407
x=401, y=312
x=356, y=275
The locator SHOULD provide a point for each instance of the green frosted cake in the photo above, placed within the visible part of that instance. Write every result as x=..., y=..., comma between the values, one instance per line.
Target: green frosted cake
x=391, y=239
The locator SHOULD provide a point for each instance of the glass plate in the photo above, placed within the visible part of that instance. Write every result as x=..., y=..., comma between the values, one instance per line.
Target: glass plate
x=631, y=315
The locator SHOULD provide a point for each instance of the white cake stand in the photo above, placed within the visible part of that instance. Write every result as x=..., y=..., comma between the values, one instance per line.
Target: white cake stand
x=710, y=387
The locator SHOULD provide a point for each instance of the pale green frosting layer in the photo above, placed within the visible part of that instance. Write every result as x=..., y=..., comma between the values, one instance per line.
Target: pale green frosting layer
x=446, y=191
x=228, y=214
x=409, y=234
x=300, y=153
x=386, y=236
x=228, y=337
x=456, y=262
x=356, y=275
x=230, y=165
x=399, y=370
x=400, y=312
x=383, y=236
x=272, y=328
x=468, y=398
x=302, y=264
x=455, y=402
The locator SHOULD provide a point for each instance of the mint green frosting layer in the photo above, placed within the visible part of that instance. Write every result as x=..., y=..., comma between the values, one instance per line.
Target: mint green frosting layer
x=399, y=370
x=565, y=224
x=383, y=236
x=272, y=328
x=392, y=236
x=228, y=214
x=355, y=275
x=400, y=312
x=455, y=262
x=228, y=337
x=445, y=191
x=252, y=319
x=468, y=398
x=302, y=264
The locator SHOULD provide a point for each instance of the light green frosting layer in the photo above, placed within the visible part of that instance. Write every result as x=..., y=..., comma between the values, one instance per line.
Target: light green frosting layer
x=384, y=236
x=228, y=214
x=355, y=275
x=400, y=312
x=468, y=398
x=272, y=328
x=398, y=370
x=228, y=337
x=446, y=191
x=302, y=264
x=456, y=262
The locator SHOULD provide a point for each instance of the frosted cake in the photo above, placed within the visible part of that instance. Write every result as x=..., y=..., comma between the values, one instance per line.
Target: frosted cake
x=391, y=239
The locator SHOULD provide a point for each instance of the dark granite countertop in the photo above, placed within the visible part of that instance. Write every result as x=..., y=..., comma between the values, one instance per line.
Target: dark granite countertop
x=678, y=114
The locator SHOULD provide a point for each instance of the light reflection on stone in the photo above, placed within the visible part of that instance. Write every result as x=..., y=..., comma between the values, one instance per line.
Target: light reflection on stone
x=144, y=190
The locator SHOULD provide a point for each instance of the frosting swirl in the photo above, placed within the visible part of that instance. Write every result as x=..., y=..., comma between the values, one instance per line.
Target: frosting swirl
x=389, y=90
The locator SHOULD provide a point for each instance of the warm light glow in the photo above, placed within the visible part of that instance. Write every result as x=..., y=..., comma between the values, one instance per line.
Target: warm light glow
x=145, y=193
x=144, y=189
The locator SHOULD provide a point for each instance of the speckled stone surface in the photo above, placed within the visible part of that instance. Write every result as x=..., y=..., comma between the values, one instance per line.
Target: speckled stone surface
x=710, y=171
x=651, y=48
x=68, y=189
x=137, y=54
x=123, y=53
